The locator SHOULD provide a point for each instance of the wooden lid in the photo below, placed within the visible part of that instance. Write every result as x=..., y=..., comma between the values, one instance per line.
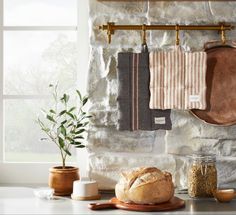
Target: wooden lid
x=84, y=198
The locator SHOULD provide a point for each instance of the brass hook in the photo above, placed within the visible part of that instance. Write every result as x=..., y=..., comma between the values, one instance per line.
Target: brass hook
x=110, y=30
x=223, y=36
x=144, y=40
x=177, y=35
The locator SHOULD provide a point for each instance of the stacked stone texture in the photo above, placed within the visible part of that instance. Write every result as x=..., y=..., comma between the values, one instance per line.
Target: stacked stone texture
x=112, y=151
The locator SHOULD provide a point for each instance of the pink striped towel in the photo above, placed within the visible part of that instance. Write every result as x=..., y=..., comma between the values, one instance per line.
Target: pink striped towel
x=177, y=80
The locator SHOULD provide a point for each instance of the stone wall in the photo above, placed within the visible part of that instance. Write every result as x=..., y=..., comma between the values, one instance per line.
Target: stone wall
x=111, y=151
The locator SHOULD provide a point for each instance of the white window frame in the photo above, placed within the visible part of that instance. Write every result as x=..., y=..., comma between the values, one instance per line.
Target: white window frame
x=37, y=173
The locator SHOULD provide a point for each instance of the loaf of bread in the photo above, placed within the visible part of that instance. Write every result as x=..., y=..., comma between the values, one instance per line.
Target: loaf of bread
x=146, y=185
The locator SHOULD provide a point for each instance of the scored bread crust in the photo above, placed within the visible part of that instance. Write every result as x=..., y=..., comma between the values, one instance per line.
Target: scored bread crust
x=145, y=185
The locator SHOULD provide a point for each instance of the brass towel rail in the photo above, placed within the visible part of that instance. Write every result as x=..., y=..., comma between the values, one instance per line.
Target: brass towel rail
x=110, y=27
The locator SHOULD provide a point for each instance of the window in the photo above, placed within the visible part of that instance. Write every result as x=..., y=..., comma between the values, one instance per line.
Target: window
x=39, y=44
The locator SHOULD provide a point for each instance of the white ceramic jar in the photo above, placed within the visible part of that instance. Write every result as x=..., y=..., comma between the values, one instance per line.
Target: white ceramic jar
x=85, y=189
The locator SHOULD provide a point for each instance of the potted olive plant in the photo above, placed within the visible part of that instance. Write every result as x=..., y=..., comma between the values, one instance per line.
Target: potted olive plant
x=65, y=125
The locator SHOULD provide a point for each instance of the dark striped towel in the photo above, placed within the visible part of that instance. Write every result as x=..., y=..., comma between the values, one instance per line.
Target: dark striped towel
x=134, y=95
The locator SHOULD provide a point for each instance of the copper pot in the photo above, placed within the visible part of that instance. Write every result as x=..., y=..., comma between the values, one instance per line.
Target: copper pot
x=221, y=82
x=61, y=180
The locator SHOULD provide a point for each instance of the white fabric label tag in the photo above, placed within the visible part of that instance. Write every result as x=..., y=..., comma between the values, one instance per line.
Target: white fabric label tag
x=194, y=98
x=160, y=120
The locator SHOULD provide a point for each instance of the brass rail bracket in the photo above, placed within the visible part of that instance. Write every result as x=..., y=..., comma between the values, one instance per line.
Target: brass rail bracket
x=110, y=27
x=110, y=30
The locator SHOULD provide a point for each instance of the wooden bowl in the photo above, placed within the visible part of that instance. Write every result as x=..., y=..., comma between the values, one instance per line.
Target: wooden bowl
x=224, y=195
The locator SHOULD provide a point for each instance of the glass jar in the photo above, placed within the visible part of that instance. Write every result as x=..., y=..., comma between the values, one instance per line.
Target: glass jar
x=202, y=175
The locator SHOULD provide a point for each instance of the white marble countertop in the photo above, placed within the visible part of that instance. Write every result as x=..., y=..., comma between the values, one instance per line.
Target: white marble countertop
x=21, y=200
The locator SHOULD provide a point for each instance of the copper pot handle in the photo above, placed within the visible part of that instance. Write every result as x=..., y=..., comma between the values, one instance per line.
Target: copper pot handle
x=213, y=43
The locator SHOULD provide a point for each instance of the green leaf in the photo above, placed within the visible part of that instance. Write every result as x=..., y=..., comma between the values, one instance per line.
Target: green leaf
x=50, y=118
x=70, y=139
x=63, y=122
x=79, y=94
x=85, y=100
x=86, y=123
x=71, y=124
x=65, y=98
x=79, y=125
x=52, y=111
x=80, y=131
x=73, y=108
x=67, y=152
x=78, y=137
x=80, y=146
x=62, y=112
x=75, y=143
x=46, y=129
x=61, y=142
x=70, y=114
x=86, y=117
x=63, y=130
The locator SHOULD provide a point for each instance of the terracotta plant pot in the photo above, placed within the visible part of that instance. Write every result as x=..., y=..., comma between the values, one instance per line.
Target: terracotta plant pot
x=61, y=180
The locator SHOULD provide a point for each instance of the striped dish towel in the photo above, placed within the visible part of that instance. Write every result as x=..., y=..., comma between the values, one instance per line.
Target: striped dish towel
x=177, y=80
x=134, y=95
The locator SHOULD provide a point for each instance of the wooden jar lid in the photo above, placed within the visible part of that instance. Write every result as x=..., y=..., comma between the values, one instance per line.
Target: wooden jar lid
x=84, y=198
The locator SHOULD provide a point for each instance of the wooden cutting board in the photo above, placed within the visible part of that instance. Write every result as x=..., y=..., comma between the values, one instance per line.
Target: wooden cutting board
x=114, y=203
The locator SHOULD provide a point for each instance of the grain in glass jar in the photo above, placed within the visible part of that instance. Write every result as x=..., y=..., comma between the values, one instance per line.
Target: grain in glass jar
x=202, y=175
